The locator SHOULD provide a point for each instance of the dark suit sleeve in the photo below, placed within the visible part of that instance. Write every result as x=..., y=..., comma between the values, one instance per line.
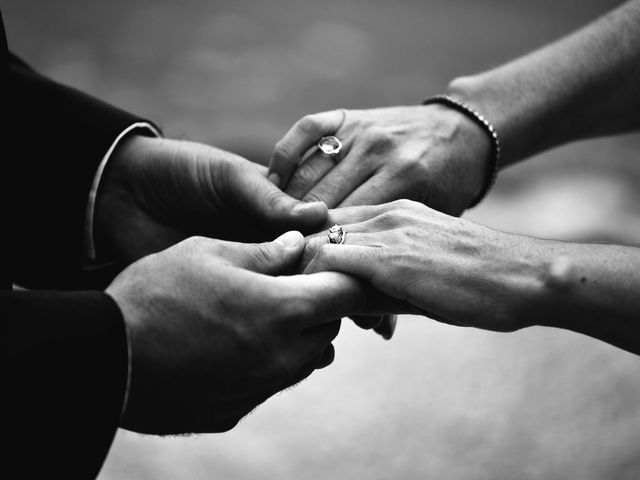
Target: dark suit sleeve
x=64, y=354
x=58, y=137
x=64, y=381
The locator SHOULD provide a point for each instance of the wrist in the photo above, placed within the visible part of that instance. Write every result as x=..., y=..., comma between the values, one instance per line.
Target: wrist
x=520, y=114
x=468, y=146
x=521, y=276
x=488, y=157
x=115, y=193
x=542, y=281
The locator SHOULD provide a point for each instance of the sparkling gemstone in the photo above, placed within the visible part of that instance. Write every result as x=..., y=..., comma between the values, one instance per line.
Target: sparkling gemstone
x=329, y=145
x=336, y=234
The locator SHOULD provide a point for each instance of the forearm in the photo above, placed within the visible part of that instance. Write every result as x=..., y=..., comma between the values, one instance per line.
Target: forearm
x=587, y=288
x=584, y=85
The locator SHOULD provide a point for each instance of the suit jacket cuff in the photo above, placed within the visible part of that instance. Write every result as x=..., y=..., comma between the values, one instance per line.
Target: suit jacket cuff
x=66, y=375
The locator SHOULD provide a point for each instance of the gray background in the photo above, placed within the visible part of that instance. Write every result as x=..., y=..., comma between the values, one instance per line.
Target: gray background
x=437, y=401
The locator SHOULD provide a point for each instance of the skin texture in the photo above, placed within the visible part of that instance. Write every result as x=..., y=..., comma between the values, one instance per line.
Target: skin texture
x=415, y=152
x=421, y=259
x=215, y=329
x=582, y=86
x=156, y=192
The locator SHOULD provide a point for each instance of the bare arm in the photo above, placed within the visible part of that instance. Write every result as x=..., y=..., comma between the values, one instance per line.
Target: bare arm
x=584, y=85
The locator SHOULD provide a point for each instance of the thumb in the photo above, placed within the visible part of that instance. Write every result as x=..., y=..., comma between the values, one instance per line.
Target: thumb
x=271, y=258
x=271, y=207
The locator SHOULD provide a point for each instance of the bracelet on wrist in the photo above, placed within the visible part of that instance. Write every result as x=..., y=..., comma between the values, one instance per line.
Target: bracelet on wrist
x=485, y=125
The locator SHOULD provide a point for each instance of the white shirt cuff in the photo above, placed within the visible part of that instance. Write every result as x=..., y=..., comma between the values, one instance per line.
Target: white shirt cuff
x=89, y=240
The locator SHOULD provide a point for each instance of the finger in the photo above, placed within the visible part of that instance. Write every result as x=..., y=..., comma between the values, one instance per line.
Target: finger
x=387, y=326
x=270, y=258
x=339, y=182
x=380, y=188
x=313, y=344
x=359, y=260
x=308, y=173
x=303, y=135
x=327, y=357
x=268, y=205
x=367, y=322
x=262, y=169
x=355, y=234
x=310, y=300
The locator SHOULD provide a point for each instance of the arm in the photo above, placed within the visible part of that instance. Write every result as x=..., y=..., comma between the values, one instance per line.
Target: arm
x=243, y=329
x=463, y=273
x=152, y=193
x=582, y=86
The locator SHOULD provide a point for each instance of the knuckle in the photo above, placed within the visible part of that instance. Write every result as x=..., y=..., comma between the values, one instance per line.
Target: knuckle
x=388, y=219
x=311, y=249
x=379, y=139
x=281, y=150
x=315, y=196
x=306, y=174
x=307, y=124
x=263, y=255
x=403, y=204
x=410, y=164
x=196, y=243
x=273, y=200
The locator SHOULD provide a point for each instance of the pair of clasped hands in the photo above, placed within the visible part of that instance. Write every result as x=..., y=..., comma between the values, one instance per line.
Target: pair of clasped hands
x=219, y=316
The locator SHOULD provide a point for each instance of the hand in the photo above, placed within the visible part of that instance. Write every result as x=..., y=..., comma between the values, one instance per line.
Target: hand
x=430, y=154
x=444, y=267
x=213, y=334
x=156, y=192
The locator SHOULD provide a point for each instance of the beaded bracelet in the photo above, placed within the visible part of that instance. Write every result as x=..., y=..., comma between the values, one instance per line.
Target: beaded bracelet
x=478, y=119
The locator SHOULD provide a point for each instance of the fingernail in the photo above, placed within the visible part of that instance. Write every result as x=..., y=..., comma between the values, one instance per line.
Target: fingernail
x=274, y=178
x=308, y=207
x=290, y=239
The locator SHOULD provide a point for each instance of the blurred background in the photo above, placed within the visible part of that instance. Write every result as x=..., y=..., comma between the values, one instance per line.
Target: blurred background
x=436, y=401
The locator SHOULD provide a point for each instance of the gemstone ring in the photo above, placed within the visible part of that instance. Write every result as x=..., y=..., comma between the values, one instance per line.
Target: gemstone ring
x=336, y=235
x=330, y=146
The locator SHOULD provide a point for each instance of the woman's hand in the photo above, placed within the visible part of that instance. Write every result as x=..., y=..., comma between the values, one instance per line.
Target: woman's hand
x=444, y=267
x=430, y=154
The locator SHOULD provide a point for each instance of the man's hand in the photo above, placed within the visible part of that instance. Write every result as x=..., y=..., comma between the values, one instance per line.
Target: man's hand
x=156, y=192
x=213, y=333
x=430, y=154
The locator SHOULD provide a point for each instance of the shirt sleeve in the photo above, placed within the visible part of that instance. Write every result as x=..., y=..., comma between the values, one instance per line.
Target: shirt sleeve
x=140, y=128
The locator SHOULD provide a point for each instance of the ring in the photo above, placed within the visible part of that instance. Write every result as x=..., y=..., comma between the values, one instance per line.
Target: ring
x=330, y=145
x=336, y=235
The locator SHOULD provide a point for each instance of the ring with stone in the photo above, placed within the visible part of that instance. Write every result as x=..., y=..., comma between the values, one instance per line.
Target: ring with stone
x=336, y=235
x=330, y=146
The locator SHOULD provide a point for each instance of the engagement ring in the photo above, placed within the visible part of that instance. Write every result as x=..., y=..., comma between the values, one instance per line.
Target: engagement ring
x=336, y=234
x=330, y=145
